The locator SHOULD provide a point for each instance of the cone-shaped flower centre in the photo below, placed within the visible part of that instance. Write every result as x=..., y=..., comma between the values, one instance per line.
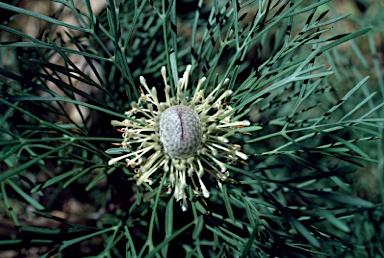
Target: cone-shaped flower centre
x=180, y=131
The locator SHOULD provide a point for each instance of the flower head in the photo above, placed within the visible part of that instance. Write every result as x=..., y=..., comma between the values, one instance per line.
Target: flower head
x=184, y=136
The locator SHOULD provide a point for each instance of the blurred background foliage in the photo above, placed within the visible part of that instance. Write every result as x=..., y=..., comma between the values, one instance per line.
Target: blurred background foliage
x=313, y=186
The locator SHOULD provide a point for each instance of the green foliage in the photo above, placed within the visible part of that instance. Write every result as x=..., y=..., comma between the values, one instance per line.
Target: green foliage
x=316, y=122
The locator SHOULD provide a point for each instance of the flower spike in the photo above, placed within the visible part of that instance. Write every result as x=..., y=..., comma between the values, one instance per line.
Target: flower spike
x=183, y=136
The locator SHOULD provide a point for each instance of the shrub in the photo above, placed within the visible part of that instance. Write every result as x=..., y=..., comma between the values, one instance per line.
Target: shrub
x=279, y=185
